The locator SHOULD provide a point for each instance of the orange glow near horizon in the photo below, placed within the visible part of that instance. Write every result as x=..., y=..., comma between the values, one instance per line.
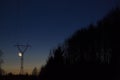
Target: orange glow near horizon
x=16, y=71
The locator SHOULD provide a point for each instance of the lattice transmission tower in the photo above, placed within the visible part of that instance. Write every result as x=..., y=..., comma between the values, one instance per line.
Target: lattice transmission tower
x=22, y=49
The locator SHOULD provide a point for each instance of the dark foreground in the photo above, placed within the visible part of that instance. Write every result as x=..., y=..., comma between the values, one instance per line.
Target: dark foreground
x=18, y=77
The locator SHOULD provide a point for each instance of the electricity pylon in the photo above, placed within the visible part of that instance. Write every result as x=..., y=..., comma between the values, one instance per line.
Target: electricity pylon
x=22, y=49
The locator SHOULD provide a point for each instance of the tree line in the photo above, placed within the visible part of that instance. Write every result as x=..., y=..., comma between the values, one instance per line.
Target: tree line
x=90, y=53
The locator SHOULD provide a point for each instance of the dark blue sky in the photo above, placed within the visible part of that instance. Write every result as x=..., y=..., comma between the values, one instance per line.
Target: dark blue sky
x=43, y=24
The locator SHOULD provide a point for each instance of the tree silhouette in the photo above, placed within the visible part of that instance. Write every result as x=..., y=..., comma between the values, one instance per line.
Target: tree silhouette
x=90, y=53
x=54, y=64
x=35, y=72
x=1, y=62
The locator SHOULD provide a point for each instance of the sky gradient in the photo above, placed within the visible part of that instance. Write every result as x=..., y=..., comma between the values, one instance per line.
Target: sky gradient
x=43, y=24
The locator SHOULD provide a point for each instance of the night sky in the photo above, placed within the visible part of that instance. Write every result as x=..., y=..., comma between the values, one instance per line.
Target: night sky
x=43, y=24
